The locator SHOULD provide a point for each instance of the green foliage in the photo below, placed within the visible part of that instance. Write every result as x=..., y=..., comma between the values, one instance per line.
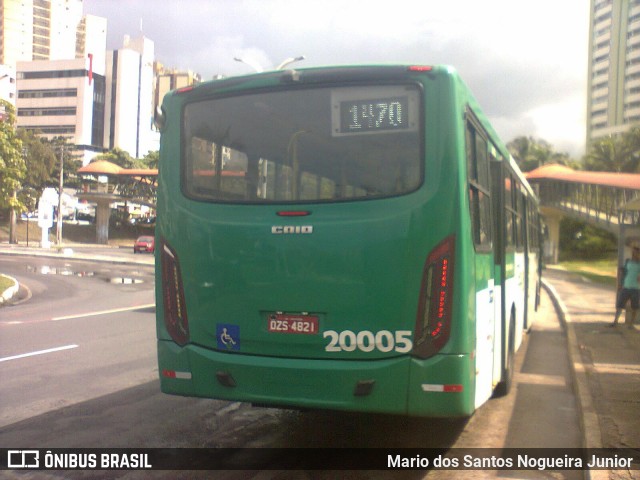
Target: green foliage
x=615, y=153
x=12, y=164
x=5, y=282
x=152, y=159
x=121, y=158
x=598, y=271
x=579, y=240
x=61, y=146
x=40, y=159
x=531, y=153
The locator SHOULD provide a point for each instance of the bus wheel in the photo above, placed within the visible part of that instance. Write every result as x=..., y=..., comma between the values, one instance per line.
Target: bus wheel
x=504, y=386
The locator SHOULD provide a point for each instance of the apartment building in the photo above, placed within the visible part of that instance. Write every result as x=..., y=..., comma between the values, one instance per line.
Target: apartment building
x=8, y=84
x=38, y=29
x=64, y=82
x=172, y=79
x=64, y=98
x=613, y=94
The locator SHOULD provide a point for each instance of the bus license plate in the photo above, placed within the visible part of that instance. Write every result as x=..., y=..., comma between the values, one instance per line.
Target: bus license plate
x=283, y=323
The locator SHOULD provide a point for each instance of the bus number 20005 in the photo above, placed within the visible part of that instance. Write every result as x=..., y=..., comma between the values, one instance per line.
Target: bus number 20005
x=366, y=341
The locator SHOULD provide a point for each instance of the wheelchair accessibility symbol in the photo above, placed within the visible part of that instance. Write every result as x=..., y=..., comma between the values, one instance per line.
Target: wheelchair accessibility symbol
x=228, y=337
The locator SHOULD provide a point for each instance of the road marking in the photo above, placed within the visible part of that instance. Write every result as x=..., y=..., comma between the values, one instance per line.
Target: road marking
x=620, y=368
x=542, y=379
x=103, y=312
x=39, y=352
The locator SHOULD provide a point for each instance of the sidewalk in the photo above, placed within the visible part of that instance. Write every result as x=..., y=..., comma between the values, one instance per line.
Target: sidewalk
x=606, y=364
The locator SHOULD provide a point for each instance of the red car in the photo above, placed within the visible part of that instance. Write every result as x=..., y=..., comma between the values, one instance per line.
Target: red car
x=144, y=244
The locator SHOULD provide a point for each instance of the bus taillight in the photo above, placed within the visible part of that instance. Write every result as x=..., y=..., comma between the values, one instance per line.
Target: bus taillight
x=433, y=322
x=420, y=68
x=175, y=308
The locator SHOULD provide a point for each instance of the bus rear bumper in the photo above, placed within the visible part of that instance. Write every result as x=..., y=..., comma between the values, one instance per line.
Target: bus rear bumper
x=442, y=386
x=392, y=386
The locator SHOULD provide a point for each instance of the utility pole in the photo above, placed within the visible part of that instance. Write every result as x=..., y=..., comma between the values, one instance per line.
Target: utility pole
x=60, y=187
x=13, y=235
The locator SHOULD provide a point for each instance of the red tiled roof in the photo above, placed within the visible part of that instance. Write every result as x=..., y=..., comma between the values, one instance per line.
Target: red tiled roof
x=103, y=167
x=566, y=174
x=139, y=172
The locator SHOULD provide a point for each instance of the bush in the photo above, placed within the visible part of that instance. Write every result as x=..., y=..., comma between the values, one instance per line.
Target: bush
x=579, y=240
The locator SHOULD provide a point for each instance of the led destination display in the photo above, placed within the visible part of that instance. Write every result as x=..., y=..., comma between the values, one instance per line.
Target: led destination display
x=374, y=115
x=374, y=110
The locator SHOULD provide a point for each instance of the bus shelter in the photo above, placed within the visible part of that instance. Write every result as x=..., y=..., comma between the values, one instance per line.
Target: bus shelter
x=105, y=183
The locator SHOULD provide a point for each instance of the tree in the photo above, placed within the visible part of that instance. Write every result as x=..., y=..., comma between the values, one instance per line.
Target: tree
x=120, y=157
x=531, y=153
x=632, y=141
x=62, y=146
x=611, y=154
x=40, y=159
x=12, y=166
x=152, y=159
x=615, y=153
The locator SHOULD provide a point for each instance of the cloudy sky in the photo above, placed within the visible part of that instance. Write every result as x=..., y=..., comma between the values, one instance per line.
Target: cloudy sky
x=525, y=61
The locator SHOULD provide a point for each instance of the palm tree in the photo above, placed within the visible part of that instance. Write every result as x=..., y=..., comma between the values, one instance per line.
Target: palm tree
x=530, y=152
x=610, y=154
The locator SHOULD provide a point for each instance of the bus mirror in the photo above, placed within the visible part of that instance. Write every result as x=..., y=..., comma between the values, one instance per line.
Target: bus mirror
x=159, y=118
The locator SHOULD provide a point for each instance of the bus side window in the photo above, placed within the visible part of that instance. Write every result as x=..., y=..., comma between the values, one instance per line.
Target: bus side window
x=509, y=212
x=479, y=188
x=520, y=220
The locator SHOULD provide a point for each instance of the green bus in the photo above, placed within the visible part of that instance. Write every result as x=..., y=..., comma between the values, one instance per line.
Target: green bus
x=353, y=238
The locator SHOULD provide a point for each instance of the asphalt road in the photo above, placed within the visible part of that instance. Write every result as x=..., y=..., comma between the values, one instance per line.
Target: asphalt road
x=80, y=333
x=78, y=369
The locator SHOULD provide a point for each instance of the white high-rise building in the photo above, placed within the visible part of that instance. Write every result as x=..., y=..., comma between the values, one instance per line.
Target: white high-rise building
x=16, y=37
x=38, y=30
x=130, y=98
x=41, y=31
x=91, y=41
x=613, y=94
x=68, y=84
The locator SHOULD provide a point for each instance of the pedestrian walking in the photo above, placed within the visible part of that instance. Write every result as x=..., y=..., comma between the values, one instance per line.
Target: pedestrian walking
x=629, y=287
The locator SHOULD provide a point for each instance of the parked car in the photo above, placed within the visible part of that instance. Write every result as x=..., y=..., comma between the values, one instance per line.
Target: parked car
x=145, y=243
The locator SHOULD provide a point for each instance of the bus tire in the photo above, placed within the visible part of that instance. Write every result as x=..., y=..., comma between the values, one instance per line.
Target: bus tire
x=504, y=386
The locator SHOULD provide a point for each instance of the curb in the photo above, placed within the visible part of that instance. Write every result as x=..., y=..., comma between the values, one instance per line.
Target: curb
x=9, y=292
x=589, y=422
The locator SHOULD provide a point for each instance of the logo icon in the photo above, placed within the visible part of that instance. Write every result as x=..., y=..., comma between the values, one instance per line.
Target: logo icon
x=292, y=229
x=23, y=459
x=228, y=336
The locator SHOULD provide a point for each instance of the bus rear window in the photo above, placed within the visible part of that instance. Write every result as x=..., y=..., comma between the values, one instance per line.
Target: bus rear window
x=311, y=145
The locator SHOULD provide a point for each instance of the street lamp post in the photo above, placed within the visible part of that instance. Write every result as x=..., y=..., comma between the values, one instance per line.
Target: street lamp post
x=13, y=234
x=290, y=60
x=251, y=63
x=259, y=69
x=24, y=156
